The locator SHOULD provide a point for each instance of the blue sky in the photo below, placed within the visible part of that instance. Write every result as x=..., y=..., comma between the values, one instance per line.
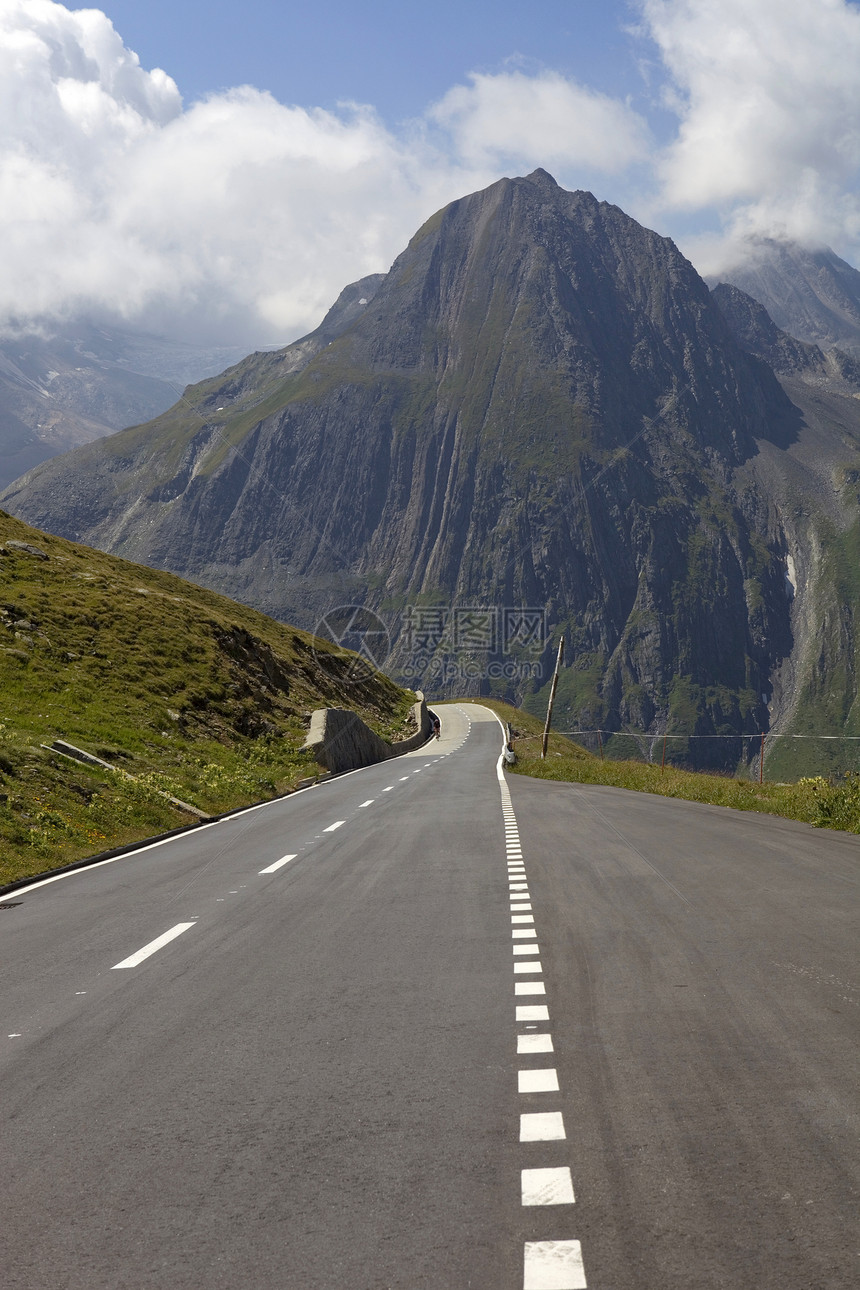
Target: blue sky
x=397, y=56
x=219, y=173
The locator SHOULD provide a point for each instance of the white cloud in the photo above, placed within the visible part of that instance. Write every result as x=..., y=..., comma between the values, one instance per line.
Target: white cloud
x=768, y=99
x=238, y=217
x=514, y=117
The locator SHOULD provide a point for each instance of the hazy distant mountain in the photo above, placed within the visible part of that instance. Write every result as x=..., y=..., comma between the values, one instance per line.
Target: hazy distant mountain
x=83, y=382
x=540, y=405
x=813, y=295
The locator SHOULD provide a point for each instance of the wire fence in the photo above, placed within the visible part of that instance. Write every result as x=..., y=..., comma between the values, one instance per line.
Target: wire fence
x=753, y=750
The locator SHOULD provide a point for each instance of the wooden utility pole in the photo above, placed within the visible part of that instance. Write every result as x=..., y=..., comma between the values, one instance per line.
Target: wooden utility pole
x=551, y=699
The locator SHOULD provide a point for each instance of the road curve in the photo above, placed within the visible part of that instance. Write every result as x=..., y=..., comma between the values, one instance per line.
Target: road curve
x=418, y=1028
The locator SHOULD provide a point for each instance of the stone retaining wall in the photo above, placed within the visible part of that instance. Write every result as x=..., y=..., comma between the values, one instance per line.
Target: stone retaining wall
x=340, y=740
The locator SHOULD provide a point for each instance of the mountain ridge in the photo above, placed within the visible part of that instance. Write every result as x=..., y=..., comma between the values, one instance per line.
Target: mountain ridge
x=809, y=292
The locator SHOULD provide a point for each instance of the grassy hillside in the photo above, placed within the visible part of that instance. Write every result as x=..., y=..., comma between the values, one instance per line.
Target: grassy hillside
x=182, y=690
x=824, y=803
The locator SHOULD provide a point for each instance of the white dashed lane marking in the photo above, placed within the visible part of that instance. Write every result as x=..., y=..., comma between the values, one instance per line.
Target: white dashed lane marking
x=534, y=966
x=153, y=946
x=529, y=987
x=369, y=802
x=553, y=1265
x=538, y=1081
x=527, y=949
x=542, y=1126
x=273, y=868
x=331, y=828
x=547, y=1186
x=534, y=1043
x=532, y=1012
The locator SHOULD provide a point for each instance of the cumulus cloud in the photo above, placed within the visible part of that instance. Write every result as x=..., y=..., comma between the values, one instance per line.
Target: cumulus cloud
x=238, y=217
x=768, y=101
x=514, y=117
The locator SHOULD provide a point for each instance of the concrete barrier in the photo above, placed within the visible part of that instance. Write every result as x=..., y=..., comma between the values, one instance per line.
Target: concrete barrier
x=340, y=740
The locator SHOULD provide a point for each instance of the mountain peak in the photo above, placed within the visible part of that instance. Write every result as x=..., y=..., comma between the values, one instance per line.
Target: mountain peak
x=541, y=406
x=542, y=178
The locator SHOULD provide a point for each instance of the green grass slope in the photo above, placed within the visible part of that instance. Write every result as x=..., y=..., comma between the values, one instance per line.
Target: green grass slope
x=824, y=803
x=185, y=692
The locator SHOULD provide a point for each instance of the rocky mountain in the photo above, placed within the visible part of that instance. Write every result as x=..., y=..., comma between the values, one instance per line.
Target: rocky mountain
x=539, y=421
x=80, y=382
x=812, y=294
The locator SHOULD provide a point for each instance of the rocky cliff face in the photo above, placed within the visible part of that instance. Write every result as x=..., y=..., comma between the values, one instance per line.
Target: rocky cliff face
x=811, y=294
x=540, y=406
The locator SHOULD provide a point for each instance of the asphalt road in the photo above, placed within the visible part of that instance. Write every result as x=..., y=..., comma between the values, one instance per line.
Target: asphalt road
x=322, y=1080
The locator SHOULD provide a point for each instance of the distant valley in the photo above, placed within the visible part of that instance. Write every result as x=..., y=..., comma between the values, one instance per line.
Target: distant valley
x=80, y=382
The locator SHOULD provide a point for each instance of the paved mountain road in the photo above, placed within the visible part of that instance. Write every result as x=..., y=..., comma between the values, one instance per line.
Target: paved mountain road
x=321, y=1082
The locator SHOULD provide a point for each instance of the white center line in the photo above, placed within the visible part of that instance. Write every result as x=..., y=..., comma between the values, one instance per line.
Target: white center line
x=388, y=790
x=369, y=802
x=331, y=828
x=553, y=1265
x=547, y=1186
x=532, y=1012
x=273, y=868
x=535, y=1044
x=403, y=777
x=157, y=944
x=539, y=1081
x=542, y=1126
